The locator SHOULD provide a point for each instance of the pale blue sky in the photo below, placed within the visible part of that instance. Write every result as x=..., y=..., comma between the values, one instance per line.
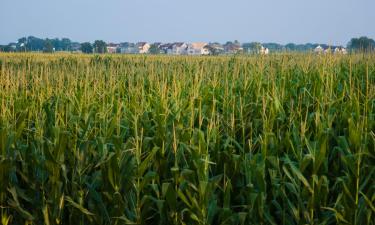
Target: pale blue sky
x=282, y=21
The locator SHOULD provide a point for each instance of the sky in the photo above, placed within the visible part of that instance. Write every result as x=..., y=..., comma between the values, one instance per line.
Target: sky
x=281, y=21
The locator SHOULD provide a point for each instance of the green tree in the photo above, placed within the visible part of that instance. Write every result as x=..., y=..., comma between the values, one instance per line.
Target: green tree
x=253, y=47
x=48, y=46
x=154, y=49
x=100, y=46
x=65, y=44
x=35, y=44
x=21, y=44
x=86, y=47
x=362, y=44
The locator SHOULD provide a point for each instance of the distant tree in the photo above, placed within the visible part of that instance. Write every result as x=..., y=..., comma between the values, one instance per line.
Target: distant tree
x=100, y=46
x=273, y=46
x=48, y=46
x=363, y=44
x=228, y=43
x=154, y=49
x=86, y=47
x=5, y=48
x=253, y=47
x=56, y=44
x=65, y=44
x=291, y=47
x=35, y=44
x=21, y=44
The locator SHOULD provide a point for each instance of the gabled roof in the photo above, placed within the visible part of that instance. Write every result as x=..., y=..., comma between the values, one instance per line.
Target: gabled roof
x=112, y=45
x=178, y=44
x=198, y=45
x=141, y=44
x=166, y=46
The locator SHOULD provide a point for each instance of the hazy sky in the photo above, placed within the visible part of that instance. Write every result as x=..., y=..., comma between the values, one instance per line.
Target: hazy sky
x=282, y=21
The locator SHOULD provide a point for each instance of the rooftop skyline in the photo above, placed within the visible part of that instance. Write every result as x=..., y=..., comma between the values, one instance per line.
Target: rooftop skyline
x=332, y=22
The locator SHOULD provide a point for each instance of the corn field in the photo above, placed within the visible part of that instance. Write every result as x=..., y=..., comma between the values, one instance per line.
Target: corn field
x=280, y=139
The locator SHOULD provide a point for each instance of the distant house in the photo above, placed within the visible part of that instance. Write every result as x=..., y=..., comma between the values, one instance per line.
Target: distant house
x=179, y=48
x=319, y=49
x=198, y=48
x=143, y=47
x=232, y=48
x=128, y=48
x=166, y=48
x=340, y=50
x=215, y=48
x=113, y=48
x=330, y=49
x=158, y=49
x=264, y=51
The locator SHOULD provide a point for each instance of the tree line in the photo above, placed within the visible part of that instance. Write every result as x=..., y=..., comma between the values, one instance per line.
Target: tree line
x=31, y=43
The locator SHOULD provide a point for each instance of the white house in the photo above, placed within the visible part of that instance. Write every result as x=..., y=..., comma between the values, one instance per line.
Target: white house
x=198, y=48
x=112, y=48
x=232, y=48
x=179, y=48
x=319, y=49
x=143, y=47
x=215, y=48
x=340, y=50
x=166, y=48
x=264, y=51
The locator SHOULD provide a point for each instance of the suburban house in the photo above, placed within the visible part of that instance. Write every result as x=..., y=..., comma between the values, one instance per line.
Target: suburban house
x=143, y=47
x=264, y=51
x=232, y=48
x=215, y=48
x=112, y=48
x=166, y=48
x=340, y=50
x=330, y=49
x=179, y=48
x=319, y=49
x=198, y=48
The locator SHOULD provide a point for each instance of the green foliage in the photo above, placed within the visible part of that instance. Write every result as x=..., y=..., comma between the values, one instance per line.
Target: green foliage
x=362, y=44
x=109, y=139
x=48, y=46
x=100, y=46
x=86, y=47
x=154, y=49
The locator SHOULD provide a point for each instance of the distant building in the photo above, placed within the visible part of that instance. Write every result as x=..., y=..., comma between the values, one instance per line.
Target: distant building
x=215, y=48
x=232, y=48
x=264, y=51
x=113, y=48
x=198, y=48
x=319, y=49
x=179, y=48
x=330, y=49
x=166, y=48
x=143, y=47
x=340, y=50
